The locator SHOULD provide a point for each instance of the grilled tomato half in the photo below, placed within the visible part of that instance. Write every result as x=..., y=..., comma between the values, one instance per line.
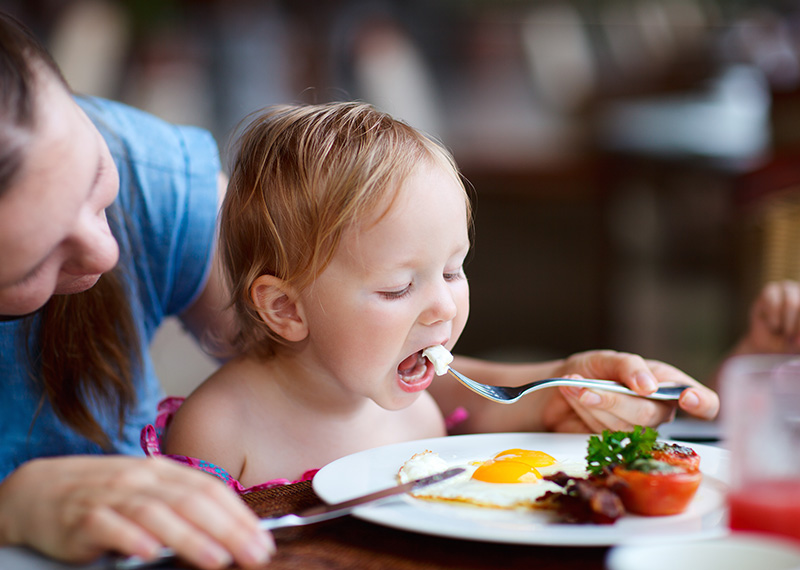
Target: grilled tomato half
x=656, y=488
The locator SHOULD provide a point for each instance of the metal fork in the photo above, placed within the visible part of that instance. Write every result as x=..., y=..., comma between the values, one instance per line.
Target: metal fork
x=508, y=395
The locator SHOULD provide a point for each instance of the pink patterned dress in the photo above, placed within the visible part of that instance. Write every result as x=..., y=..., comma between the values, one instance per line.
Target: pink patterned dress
x=151, y=444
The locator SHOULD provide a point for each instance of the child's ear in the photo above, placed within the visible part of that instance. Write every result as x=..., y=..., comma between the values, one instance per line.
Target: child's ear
x=279, y=307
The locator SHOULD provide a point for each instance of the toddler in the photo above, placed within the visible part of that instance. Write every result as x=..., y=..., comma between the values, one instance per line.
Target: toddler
x=343, y=237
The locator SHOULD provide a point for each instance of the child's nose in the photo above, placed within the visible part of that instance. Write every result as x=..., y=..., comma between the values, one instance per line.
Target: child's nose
x=442, y=306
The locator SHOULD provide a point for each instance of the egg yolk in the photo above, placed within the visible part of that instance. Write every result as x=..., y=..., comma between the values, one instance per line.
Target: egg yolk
x=527, y=456
x=506, y=471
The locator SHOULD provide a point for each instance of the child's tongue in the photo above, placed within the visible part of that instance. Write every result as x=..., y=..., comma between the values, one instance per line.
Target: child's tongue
x=412, y=366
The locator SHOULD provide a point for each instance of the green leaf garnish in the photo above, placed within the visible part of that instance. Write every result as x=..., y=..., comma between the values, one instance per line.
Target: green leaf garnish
x=619, y=448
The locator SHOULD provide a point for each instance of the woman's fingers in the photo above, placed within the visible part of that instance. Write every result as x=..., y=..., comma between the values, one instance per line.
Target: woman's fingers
x=103, y=530
x=700, y=402
x=601, y=410
x=608, y=410
x=233, y=529
x=790, y=324
x=201, y=520
x=629, y=369
x=775, y=319
x=131, y=506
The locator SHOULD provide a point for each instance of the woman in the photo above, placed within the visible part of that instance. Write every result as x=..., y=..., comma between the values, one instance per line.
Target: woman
x=106, y=227
x=70, y=309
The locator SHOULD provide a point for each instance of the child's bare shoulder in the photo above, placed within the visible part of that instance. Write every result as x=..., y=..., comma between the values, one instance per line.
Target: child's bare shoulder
x=211, y=417
x=220, y=394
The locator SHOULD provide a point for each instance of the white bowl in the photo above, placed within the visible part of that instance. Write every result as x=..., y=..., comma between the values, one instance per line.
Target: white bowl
x=737, y=551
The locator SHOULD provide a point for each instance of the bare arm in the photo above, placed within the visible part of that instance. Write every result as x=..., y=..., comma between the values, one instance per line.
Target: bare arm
x=209, y=319
x=206, y=424
x=572, y=409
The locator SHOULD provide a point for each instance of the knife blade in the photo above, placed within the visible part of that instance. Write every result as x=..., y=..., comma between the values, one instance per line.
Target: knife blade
x=311, y=515
x=326, y=512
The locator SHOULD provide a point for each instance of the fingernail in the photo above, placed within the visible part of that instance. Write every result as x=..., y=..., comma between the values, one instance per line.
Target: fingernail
x=590, y=398
x=690, y=400
x=265, y=540
x=217, y=556
x=147, y=547
x=645, y=382
x=256, y=552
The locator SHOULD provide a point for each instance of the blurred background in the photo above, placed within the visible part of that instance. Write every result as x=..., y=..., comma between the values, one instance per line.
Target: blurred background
x=634, y=161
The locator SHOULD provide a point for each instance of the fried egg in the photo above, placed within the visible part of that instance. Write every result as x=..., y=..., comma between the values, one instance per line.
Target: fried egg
x=511, y=479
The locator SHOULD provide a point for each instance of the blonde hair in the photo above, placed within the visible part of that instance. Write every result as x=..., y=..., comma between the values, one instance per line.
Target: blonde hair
x=303, y=174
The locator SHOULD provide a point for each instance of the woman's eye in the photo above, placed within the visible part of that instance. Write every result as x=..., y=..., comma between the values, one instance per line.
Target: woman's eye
x=396, y=294
x=30, y=277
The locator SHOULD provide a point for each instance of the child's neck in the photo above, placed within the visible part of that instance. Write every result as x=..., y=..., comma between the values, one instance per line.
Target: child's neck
x=310, y=387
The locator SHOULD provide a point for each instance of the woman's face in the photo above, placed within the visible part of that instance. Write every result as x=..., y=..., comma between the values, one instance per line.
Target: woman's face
x=54, y=236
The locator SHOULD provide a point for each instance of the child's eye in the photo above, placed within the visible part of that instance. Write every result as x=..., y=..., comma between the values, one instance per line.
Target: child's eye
x=454, y=276
x=396, y=294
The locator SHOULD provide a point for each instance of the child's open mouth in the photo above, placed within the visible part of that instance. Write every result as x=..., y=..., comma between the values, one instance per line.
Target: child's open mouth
x=415, y=373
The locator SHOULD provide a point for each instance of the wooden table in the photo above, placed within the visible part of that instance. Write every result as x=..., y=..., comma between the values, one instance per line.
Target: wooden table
x=350, y=543
x=354, y=544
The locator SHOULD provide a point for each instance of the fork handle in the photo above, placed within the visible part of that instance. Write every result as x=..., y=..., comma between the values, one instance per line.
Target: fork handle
x=665, y=392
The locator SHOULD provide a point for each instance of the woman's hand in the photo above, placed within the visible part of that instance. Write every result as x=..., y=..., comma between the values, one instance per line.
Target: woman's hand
x=581, y=409
x=774, y=321
x=77, y=508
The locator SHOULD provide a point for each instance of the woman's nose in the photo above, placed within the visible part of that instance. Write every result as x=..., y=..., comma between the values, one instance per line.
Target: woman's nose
x=94, y=249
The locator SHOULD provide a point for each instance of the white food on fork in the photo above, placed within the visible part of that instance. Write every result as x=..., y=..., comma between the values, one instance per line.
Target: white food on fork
x=440, y=357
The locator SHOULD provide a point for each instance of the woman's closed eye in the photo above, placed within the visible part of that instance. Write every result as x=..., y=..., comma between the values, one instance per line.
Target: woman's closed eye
x=30, y=276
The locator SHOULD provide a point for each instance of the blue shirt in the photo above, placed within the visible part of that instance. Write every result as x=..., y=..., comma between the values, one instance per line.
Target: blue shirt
x=168, y=199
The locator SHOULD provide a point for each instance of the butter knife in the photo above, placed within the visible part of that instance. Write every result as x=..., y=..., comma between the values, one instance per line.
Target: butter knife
x=311, y=515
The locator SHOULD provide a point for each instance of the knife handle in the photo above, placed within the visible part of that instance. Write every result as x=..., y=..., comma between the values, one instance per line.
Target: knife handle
x=309, y=516
x=282, y=522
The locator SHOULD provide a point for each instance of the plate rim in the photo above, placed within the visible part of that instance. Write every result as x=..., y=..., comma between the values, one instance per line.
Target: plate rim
x=387, y=514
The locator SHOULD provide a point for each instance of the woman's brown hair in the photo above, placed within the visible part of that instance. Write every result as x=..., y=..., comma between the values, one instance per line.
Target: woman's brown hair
x=87, y=349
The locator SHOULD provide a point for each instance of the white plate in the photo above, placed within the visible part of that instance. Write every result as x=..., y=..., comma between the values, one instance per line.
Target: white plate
x=376, y=469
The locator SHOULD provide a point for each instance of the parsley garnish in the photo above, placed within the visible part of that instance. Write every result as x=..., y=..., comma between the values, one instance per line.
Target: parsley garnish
x=619, y=448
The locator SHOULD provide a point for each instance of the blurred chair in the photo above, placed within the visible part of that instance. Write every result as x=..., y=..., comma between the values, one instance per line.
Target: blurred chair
x=780, y=220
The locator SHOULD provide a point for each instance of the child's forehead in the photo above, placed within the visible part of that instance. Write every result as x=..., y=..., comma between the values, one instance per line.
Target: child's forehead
x=404, y=192
x=427, y=197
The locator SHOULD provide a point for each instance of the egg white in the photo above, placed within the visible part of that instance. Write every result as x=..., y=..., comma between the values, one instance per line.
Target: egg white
x=463, y=489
